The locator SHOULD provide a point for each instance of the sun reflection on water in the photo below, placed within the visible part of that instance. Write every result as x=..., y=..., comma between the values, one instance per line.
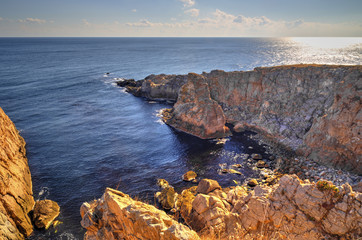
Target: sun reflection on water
x=329, y=42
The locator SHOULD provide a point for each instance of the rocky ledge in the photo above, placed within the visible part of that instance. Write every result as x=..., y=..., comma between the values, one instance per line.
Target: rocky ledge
x=313, y=110
x=290, y=209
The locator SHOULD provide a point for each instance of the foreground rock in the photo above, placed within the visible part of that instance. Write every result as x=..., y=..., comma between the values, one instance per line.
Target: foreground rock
x=314, y=110
x=117, y=216
x=290, y=209
x=16, y=195
x=44, y=213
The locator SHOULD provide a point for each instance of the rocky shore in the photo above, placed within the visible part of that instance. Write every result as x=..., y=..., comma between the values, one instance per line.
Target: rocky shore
x=17, y=204
x=313, y=111
x=287, y=208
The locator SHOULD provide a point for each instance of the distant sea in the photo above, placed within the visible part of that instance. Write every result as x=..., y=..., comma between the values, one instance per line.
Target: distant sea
x=84, y=134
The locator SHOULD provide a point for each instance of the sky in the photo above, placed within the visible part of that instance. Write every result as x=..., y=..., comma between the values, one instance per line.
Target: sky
x=180, y=18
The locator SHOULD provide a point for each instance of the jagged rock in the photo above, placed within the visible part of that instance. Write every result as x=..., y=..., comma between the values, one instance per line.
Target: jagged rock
x=315, y=113
x=189, y=176
x=117, y=216
x=207, y=185
x=45, y=212
x=16, y=195
x=291, y=208
x=167, y=197
x=155, y=87
x=196, y=112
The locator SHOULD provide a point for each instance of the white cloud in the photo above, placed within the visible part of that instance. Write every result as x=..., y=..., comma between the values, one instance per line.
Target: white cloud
x=141, y=23
x=193, y=12
x=32, y=20
x=1, y=18
x=188, y=3
x=134, y=10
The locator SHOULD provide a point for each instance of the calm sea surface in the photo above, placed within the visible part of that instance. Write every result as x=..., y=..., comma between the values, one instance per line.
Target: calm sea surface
x=84, y=134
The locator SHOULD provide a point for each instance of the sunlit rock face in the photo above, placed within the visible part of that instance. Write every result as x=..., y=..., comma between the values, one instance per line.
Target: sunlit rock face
x=16, y=196
x=117, y=216
x=290, y=209
x=314, y=110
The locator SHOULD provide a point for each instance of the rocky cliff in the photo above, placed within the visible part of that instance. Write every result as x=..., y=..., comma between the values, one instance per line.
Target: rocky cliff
x=117, y=216
x=290, y=209
x=313, y=110
x=16, y=196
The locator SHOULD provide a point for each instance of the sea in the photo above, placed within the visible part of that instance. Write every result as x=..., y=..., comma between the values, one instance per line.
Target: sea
x=84, y=133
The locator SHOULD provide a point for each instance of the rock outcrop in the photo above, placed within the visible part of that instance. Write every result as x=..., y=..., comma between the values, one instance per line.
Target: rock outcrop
x=290, y=209
x=117, y=216
x=16, y=196
x=156, y=87
x=313, y=110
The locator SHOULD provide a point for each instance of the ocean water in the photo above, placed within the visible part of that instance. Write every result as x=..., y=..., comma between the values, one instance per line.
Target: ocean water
x=84, y=134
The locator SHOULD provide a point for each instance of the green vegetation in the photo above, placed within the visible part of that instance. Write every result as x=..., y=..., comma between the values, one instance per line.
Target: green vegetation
x=327, y=186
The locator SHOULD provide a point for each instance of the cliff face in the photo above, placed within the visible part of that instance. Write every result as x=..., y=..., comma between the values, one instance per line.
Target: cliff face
x=117, y=216
x=291, y=209
x=314, y=110
x=16, y=196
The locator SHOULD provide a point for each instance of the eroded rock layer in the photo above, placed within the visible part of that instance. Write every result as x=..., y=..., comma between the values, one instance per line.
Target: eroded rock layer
x=118, y=216
x=16, y=196
x=314, y=110
x=290, y=209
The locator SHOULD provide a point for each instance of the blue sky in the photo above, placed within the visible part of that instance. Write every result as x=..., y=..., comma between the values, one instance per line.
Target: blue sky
x=181, y=18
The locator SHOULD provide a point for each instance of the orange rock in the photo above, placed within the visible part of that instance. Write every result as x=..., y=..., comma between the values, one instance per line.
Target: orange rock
x=16, y=195
x=117, y=216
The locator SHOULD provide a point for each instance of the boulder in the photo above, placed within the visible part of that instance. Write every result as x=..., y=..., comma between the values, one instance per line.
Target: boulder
x=256, y=156
x=167, y=197
x=261, y=164
x=117, y=216
x=189, y=176
x=207, y=185
x=44, y=213
x=253, y=182
x=16, y=194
